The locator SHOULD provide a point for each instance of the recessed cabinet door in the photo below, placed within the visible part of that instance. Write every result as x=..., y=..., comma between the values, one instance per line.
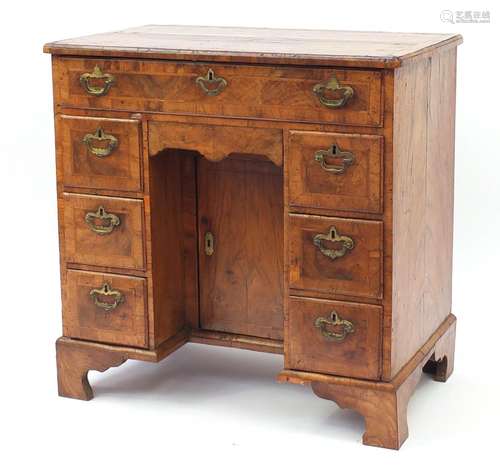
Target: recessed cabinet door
x=335, y=256
x=241, y=247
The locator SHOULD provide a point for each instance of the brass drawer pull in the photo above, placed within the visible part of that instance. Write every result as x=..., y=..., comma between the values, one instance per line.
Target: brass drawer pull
x=112, y=221
x=347, y=159
x=210, y=84
x=334, y=320
x=97, y=75
x=101, y=137
x=106, y=290
x=333, y=86
x=346, y=243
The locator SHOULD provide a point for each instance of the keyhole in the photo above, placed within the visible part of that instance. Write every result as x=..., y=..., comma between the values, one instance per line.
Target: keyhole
x=334, y=149
x=209, y=243
x=210, y=74
x=100, y=133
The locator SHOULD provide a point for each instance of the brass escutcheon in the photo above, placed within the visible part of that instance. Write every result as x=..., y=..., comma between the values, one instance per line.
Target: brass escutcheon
x=346, y=242
x=333, y=85
x=334, y=320
x=100, y=136
x=209, y=244
x=112, y=219
x=96, y=74
x=347, y=159
x=210, y=84
x=106, y=290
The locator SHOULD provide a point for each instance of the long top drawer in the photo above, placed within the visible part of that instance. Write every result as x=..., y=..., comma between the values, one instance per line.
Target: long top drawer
x=318, y=95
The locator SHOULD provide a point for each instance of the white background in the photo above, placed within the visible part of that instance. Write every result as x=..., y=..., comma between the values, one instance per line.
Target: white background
x=217, y=408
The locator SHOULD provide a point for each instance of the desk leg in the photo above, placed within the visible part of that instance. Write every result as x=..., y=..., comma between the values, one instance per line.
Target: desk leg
x=384, y=407
x=384, y=404
x=74, y=360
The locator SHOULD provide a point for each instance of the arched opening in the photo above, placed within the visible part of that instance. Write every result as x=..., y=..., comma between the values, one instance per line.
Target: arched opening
x=217, y=235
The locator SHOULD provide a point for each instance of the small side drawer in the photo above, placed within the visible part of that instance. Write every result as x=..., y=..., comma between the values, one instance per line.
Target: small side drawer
x=105, y=308
x=335, y=171
x=100, y=153
x=306, y=94
x=103, y=231
x=334, y=337
x=335, y=256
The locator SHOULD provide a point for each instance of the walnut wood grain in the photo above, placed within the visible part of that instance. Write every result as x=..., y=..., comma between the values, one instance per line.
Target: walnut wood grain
x=83, y=319
x=216, y=143
x=169, y=179
x=275, y=93
x=384, y=404
x=358, y=188
x=174, y=242
x=123, y=247
x=75, y=358
x=358, y=355
x=357, y=273
x=241, y=287
x=246, y=342
x=423, y=201
x=74, y=363
x=120, y=170
x=258, y=45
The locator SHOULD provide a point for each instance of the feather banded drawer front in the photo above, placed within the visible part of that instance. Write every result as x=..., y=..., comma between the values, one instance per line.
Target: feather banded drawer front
x=275, y=190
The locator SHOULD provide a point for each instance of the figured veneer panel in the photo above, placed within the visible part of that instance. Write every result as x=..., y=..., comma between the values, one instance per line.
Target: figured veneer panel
x=216, y=143
x=278, y=93
x=357, y=188
x=357, y=356
x=123, y=247
x=83, y=319
x=357, y=273
x=120, y=170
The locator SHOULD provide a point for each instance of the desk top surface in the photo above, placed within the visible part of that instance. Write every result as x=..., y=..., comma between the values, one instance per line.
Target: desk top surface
x=257, y=45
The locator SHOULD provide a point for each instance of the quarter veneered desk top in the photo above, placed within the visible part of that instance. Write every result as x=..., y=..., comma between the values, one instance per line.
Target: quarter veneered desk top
x=257, y=45
x=285, y=191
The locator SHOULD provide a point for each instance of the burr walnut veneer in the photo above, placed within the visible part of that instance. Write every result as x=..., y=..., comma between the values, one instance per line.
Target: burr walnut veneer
x=275, y=190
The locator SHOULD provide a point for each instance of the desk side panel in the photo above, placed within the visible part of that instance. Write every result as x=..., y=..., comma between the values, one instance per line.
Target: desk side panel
x=424, y=134
x=173, y=243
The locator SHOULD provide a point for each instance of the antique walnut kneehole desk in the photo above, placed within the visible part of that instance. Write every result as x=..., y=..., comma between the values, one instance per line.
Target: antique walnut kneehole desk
x=274, y=190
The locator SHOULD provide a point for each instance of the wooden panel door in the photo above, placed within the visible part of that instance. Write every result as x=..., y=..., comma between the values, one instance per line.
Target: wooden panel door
x=241, y=282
